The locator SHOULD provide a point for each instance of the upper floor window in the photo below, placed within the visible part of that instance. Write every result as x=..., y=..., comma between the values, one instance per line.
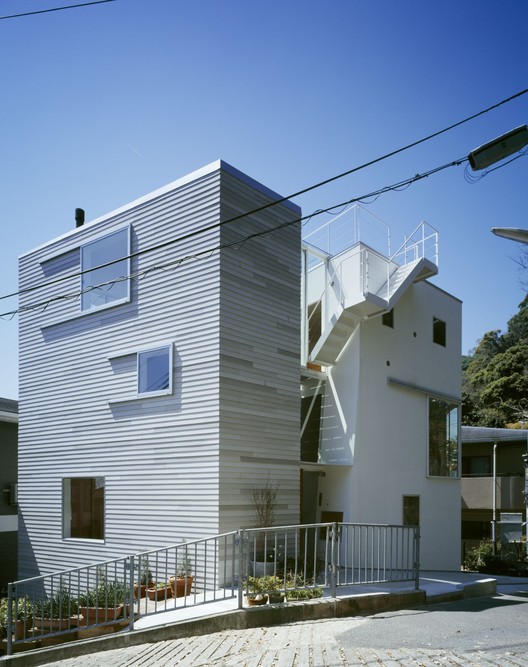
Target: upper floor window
x=443, y=438
x=105, y=286
x=388, y=319
x=439, y=331
x=155, y=371
x=83, y=507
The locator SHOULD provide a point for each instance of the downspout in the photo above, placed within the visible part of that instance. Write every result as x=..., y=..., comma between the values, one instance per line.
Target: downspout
x=494, y=502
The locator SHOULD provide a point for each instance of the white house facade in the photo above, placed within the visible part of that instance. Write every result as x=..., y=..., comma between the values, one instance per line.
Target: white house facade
x=161, y=350
x=381, y=385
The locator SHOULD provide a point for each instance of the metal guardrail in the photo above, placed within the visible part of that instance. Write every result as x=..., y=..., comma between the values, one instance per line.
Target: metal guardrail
x=280, y=559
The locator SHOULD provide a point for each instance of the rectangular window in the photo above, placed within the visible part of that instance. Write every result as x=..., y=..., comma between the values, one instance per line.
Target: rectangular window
x=411, y=510
x=83, y=507
x=443, y=438
x=388, y=319
x=108, y=285
x=312, y=393
x=155, y=371
x=476, y=466
x=439, y=332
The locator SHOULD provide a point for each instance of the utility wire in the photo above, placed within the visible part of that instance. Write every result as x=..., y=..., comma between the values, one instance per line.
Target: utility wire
x=273, y=203
x=234, y=245
x=55, y=9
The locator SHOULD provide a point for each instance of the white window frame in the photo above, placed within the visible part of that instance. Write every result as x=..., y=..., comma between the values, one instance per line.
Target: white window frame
x=67, y=508
x=157, y=392
x=84, y=285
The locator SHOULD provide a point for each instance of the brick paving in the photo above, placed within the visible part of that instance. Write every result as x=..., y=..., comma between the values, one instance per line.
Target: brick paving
x=307, y=644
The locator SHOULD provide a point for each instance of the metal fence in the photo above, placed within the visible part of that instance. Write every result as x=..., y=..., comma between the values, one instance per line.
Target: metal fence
x=259, y=564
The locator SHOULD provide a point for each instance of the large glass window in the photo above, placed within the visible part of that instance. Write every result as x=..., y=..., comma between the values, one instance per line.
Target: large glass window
x=105, y=286
x=83, y=503
x=155, y=371
x=312, y=392
x=443, y=438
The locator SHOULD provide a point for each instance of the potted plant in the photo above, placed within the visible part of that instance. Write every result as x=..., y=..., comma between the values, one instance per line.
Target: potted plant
x=272, y=585
x=58, y=612
x=255, y=592
x=182, y=583
x=145, y=578
x=159, y=591
x=103, y=603
x=21, y=617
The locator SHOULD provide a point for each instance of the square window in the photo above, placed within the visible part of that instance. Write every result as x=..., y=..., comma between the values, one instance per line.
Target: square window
x=388, y=319
x=155, y=371
x=439, y=332
x=83, y=507
x=105, y=286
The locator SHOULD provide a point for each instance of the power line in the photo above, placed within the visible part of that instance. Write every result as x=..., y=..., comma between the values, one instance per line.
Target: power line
x=55, y=9
x=234, y=245
x=273, y=203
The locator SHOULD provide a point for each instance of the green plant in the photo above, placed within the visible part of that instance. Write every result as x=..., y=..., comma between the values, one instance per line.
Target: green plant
x=185, y=566
x=107, y=594
x=304, y=593
x=60, y=605
x=145, y=575
x=21, y=611
x=480, y=556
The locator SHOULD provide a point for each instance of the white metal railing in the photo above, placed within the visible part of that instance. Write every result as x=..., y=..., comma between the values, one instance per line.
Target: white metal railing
x=289, y=558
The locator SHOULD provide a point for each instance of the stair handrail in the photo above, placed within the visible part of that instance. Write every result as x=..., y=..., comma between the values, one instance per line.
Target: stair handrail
x=412, y=245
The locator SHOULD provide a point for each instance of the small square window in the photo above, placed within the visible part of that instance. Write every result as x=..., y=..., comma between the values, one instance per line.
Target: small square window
x=155, y=371
x=439, y=332
x=388, y=319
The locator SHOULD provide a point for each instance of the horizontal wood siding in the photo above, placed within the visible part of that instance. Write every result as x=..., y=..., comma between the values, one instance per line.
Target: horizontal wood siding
x=159, y=456
x=259, y=356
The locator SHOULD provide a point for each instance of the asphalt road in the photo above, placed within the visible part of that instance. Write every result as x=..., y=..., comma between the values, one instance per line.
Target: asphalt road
x=482, y=632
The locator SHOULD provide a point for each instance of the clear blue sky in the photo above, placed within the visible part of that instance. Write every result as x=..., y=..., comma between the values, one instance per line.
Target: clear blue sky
x=103, y=104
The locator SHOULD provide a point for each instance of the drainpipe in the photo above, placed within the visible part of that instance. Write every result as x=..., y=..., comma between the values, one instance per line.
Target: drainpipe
x=494, y=519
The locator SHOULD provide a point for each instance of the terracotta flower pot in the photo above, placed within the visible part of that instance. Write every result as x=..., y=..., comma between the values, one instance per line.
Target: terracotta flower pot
x=159, y=593
x=254, y=602
x=181, y=585
x=93, y=615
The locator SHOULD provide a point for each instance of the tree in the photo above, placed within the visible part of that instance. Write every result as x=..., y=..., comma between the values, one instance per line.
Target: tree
x=495, y=376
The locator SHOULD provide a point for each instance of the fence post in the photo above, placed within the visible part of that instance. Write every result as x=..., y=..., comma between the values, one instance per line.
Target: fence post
x=333, y=556
x=10, y=589
x=239, y=539
x=417, y=557
x=131, y=610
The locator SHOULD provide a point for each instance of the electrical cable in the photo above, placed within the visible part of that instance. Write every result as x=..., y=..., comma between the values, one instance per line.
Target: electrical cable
x=277, y=201
x=234, y=245
x=55, y=9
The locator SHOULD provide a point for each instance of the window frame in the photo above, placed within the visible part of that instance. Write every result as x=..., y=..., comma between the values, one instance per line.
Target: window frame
x=157, y=392
x=85, y=272
x=67, y=509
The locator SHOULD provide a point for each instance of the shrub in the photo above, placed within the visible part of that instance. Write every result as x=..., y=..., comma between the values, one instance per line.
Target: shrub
x=107, y=594
x=60, y=605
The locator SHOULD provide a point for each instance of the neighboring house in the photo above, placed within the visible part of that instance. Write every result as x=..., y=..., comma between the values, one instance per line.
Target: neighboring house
x=170, y=379
x=493, y=479
x=8, y=490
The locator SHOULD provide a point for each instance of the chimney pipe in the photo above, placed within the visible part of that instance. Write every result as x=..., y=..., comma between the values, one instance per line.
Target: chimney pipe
x=79, y=217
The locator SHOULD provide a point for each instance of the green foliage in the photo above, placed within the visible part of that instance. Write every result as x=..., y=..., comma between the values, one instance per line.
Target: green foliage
x=184, y=567
x=107, y=594
x=304, y=593
x=495, y=376
x=479, y=556
x=60, y=605
x=20, y=612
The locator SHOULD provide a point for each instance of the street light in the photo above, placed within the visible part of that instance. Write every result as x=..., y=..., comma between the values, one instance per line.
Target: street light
x=499, y=148
x=512, y=233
